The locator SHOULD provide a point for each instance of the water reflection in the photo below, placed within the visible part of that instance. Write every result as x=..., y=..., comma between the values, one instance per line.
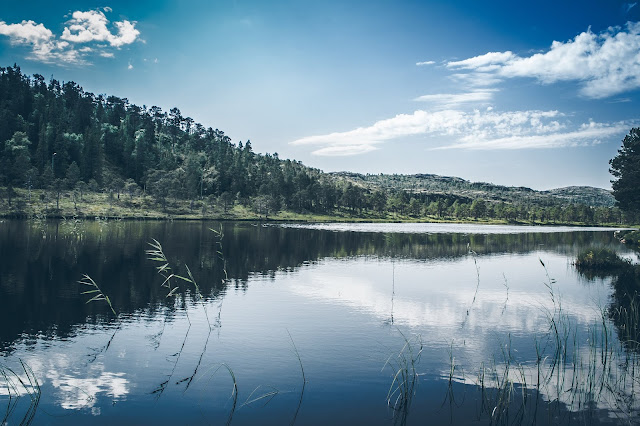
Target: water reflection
x=343, y=297
x=42, y=261
x=82, y=392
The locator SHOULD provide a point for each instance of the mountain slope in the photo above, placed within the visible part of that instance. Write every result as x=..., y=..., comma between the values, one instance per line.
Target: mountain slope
x=458, y=187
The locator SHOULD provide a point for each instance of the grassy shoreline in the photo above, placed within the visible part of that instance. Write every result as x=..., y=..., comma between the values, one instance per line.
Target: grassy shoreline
x=89, y=205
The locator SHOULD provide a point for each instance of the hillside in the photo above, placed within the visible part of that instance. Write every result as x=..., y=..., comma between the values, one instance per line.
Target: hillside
x=66, y=142
x=584, y=195
x=458, y=187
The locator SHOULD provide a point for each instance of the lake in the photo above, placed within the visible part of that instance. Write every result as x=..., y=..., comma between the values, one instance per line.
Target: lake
x=311, y=324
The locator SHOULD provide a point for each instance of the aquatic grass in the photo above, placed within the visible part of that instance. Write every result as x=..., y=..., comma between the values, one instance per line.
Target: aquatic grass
x=576, y=374
x=96, y=294
x=211, y=372
x=189, y=379
x=451, y=379
x=474, y=256
x=16, y=387
x=219, y=233
x=156, y=254
x=159, y=390
x=403, y=366
x=267, y=395
x=506, y=286
x=304, y=379
x=171, y=282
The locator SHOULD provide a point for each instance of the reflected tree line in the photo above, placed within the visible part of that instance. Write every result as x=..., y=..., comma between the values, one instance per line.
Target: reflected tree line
x=43, y=262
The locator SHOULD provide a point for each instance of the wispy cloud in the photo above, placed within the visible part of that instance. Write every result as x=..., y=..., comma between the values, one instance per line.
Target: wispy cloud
x=483, y=63
x=455, y=129
x=449, y=100
x=83, y=28
x=604, y=64
x=420, y=64
x=591, y=133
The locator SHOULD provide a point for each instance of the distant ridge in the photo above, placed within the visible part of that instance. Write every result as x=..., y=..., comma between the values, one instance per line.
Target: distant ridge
x=450, y=185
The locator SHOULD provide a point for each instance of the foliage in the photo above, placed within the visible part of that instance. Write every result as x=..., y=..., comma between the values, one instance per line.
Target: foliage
x=58, y=137
x=448, y=187
x=600, y=262
x=625, y=167
x=62, y=132
x=630, y=237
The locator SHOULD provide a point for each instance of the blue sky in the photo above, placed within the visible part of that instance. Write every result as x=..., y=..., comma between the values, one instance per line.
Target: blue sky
x=538, y=94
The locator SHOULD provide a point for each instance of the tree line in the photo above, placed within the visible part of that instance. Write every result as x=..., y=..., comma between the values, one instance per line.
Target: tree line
x=56, y=136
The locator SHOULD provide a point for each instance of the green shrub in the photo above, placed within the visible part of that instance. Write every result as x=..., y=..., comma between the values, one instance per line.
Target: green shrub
x=603, y=259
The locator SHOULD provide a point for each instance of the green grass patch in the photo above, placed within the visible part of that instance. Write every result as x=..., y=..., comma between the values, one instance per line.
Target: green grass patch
x=89, y=205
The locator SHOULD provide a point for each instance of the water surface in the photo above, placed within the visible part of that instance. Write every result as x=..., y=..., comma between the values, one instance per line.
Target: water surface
x=341, y=303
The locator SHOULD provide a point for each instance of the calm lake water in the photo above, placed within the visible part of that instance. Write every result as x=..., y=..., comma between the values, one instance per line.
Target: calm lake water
x=304, y=323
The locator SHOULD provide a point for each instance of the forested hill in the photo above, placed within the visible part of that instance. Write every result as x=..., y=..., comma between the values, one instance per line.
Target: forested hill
x=68, y=142
x=435, y=184
x=55, y=133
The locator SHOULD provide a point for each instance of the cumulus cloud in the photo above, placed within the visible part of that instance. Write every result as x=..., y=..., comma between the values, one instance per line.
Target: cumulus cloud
x=82, y=28
x=26, y=32
x=454, y=129
x=44, y=46
x=604, y=64
x=91, y=26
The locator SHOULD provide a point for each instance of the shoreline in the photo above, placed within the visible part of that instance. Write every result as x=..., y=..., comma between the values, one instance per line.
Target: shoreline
x=43, y=204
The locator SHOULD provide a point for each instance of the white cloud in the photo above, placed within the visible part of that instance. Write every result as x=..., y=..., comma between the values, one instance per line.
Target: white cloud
x=425, y=63
x=84, y=27
x=483, y=61
x=476, y=79
x=90, y=26
x=130, y=67
x=44, y=46
x=604, y=64
x=587, y=134
x=455, y=129
x=346, y=150
x=449, y=100
x=365, y=139
x=26, y=32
